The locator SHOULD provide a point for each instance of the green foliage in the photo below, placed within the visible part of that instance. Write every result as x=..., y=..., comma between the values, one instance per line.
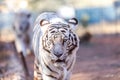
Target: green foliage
x=84, y=20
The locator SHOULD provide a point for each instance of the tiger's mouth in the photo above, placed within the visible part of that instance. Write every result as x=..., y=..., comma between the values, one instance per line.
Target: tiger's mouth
x=59, y=61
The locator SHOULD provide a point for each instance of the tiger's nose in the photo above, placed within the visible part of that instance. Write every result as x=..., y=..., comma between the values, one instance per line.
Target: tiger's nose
x=58, y=54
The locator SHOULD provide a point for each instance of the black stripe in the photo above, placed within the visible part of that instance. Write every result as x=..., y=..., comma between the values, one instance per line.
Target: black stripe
x=36, y=66
x=43, y=41
x=46, y=49
x=51, y=29
x=65, y=28
x=48, y=67
x=39, y=73
x=70, y=65
x=52, y=76
x=75, y=37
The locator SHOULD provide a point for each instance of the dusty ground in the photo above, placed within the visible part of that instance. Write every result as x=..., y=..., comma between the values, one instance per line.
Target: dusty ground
x=10, y=64
x=97, y=60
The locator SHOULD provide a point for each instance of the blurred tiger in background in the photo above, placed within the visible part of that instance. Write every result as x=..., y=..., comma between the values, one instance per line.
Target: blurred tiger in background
x=23, y=33
x=55, y=45
x=23, y=27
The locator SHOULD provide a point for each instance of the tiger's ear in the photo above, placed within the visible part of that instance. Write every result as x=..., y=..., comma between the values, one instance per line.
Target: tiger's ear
x=44, y=22
x=73, y=21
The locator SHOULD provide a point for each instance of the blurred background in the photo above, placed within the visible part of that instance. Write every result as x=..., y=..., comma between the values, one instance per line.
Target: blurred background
x=101, y=17
x=99, y=31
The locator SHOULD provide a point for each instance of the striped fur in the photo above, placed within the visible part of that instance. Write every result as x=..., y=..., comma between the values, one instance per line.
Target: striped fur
x=55, y=45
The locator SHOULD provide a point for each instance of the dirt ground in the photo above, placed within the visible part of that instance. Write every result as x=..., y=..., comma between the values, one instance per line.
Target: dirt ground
x=10, y=63
x=97, y=60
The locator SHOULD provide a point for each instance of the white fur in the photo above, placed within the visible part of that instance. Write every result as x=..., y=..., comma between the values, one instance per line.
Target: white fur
x=59, y=69
x=21, y=36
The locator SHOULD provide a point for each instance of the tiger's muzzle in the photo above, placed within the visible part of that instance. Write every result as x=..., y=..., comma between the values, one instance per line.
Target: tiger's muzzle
x=58, y=48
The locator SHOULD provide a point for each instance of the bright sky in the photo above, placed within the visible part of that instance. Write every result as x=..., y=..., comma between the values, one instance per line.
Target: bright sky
x=16, y=4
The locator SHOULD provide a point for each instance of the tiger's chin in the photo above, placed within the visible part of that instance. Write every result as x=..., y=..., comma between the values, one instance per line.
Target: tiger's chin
x=60, y=63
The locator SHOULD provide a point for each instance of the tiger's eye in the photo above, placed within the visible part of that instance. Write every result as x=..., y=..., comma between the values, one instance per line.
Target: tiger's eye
x=63, y=31
x=52, y=31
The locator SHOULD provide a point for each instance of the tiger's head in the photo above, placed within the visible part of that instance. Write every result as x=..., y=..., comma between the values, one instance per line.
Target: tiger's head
x=57, y=38
x=22, y=21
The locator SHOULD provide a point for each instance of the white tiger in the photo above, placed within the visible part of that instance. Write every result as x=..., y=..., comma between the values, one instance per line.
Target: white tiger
x=22, y=27
x=55, y=45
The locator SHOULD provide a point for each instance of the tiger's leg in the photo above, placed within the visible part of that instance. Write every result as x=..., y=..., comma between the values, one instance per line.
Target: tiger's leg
x=37, y=72
x=48, y=77
x=68, y=76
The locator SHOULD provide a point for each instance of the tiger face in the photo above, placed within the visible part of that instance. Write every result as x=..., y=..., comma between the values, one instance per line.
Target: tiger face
x=22, y=22
x=59, y=40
